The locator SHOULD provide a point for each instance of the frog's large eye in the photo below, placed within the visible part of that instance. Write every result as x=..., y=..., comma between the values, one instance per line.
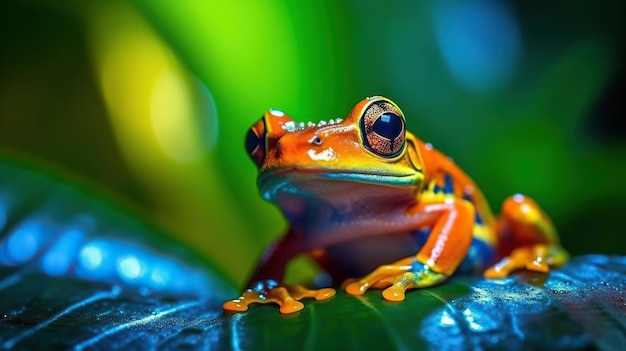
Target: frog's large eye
x=255, y=142
x=382, y=128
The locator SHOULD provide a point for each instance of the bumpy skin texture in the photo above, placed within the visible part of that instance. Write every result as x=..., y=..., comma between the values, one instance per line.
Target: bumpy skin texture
x=366, y=198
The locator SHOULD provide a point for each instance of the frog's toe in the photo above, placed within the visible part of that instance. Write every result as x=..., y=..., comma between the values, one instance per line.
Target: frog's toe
x=498, y=270
x=291, y=306
x=357, y=287
x=241, y=304
x=324, y=294
x=299, y=292
x=396, y=279
x=537, y=258
x=287, y=297
x=380, y=277
x=383, y=283
x=538, y=266
x=235, y=305
x=396, y=291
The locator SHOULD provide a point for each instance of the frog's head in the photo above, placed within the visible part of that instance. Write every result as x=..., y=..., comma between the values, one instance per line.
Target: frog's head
x=369, y=147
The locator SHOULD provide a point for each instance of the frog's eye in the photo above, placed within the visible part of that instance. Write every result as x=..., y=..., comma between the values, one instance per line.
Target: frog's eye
x=382, y=128
x=255, y=142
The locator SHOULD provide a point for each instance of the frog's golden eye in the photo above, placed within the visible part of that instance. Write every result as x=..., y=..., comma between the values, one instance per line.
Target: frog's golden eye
x=255, y=142
x=382, y=128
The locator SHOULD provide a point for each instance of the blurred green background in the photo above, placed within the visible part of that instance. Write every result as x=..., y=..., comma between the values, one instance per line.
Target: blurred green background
x=150, y=101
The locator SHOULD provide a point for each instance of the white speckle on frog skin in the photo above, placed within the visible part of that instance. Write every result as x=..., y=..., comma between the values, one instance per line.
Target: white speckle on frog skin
x=325, y=155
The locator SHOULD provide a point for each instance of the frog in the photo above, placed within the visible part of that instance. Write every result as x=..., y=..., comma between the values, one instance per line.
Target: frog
x=377, y=208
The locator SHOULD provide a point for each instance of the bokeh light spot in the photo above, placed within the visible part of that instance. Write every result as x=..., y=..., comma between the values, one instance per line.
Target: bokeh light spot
x=152, y=98
x=58, y=259
x=479, y=42
x=183, y=115
x=160, y=276
x=24, y=242
x=129, y=267
x=91, y=257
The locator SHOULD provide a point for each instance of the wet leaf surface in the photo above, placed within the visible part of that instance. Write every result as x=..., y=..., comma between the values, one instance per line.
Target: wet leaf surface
x=582, y=306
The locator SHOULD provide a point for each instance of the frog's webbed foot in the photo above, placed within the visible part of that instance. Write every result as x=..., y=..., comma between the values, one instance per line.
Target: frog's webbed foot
x=537, y=258
x=286, y=296
x=395, y=278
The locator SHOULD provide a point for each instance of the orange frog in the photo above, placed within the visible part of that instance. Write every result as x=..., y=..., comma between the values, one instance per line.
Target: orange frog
x=365, y=198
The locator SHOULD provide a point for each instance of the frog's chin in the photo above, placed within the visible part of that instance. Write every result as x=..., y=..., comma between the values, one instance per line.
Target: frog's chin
x=324, y=184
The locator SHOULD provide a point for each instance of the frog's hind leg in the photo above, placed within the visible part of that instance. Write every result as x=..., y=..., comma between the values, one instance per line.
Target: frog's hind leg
x=527, y=239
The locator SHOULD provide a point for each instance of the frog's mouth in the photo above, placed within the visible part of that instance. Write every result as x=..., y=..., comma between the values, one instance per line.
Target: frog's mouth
x=324, y=183
x=360, y=177
x=372, y=178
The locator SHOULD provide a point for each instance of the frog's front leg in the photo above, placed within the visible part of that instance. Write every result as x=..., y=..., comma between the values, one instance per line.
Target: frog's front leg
x=264, y=286
x=452, y=222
